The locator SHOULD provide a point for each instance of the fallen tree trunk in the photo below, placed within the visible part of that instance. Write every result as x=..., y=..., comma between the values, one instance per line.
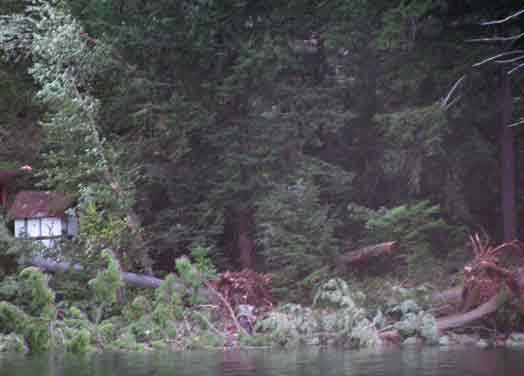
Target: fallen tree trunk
x=452, y=295
x=461, y=319
x=133, y=279
x=362, y=255
x=458, y=320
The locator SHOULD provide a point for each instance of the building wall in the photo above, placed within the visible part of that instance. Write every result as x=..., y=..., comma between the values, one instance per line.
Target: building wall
x=47, y=230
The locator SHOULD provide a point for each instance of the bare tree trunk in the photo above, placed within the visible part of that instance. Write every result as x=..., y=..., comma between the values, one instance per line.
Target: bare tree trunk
x=238, y=236
x=507, y=140
x=246, y=244
x=462, y=319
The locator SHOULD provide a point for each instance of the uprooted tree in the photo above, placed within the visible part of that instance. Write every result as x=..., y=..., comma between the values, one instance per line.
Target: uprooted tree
x=488, y=284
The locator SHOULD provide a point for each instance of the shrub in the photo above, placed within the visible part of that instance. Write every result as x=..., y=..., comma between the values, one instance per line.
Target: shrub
x=418, y=229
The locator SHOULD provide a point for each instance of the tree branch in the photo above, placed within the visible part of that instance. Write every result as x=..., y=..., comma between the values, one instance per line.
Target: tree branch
x=495, y=57
x=444, y=103
x=496, y=39
x=496, y=22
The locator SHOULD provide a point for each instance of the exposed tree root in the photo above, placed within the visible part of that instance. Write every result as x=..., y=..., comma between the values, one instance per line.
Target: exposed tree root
x=485, y=278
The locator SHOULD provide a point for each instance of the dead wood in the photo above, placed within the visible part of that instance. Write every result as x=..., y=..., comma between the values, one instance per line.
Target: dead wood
x=458, y=320
x=453, y=295
x=485, y=278
x=363, y=255
x=461, y=319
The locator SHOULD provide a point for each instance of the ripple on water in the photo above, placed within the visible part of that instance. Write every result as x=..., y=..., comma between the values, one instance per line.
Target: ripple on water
x=311, y=362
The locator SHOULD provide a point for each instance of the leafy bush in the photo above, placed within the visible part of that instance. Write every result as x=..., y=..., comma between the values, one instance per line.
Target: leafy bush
x=42, y=297
x=79, y=344
x=203, y=262
x=38, y=335
x=12, y=318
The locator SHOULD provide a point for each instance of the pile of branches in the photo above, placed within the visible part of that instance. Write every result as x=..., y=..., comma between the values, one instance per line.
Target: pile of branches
x=487, y=283
x=245, y=287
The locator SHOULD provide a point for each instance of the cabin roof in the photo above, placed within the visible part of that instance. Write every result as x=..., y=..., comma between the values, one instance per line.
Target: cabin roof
x=39, y=204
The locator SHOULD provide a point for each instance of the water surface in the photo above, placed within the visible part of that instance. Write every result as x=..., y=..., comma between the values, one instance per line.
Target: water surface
x=419, y=362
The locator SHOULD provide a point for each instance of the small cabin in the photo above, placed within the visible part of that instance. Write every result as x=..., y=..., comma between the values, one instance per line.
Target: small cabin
x=43, y=216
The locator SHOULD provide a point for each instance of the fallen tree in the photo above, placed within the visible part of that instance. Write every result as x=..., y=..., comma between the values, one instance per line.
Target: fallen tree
x=487, y=285
x=364, y=254
x=134, y=279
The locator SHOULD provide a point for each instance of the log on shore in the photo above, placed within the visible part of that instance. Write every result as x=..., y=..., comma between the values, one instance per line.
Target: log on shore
x=462, y=319
x=453, y=295
x=364, y=254
x=133, y=279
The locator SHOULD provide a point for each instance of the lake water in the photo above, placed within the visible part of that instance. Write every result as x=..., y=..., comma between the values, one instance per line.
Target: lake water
x=419, y=362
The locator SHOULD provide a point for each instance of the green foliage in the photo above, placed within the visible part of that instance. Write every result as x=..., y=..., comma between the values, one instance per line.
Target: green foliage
x=12, y=318
x=106, y=284
x=105, y=229
x=9, y=288
x=106, y=331
x=66, y=67
x=207, y=340
x=12, y=343
x=413, y=226
x=42, y=303
x=143, y=330
x=416, y=138
x=419, y=231
x=403, y=22
x=16, y=93
x=209, y=105
x=168, y=304
x=63, y=65
x=38, y=335
x=296, y=234
x=188, y=272
x=80, y=342
x=6, y=239
x=140, y=306
x=127, y=342
x=107, y=281
x=203, y=262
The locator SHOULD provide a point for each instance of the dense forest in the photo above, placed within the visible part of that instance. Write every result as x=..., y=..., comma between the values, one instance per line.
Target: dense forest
x=277, y=136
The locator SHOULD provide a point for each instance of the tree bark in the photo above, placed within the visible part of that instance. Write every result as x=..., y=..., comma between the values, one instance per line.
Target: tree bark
x=238, y=238
x=507, y=140
x=456, y=321
x=362, y=255
x=452, y=295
